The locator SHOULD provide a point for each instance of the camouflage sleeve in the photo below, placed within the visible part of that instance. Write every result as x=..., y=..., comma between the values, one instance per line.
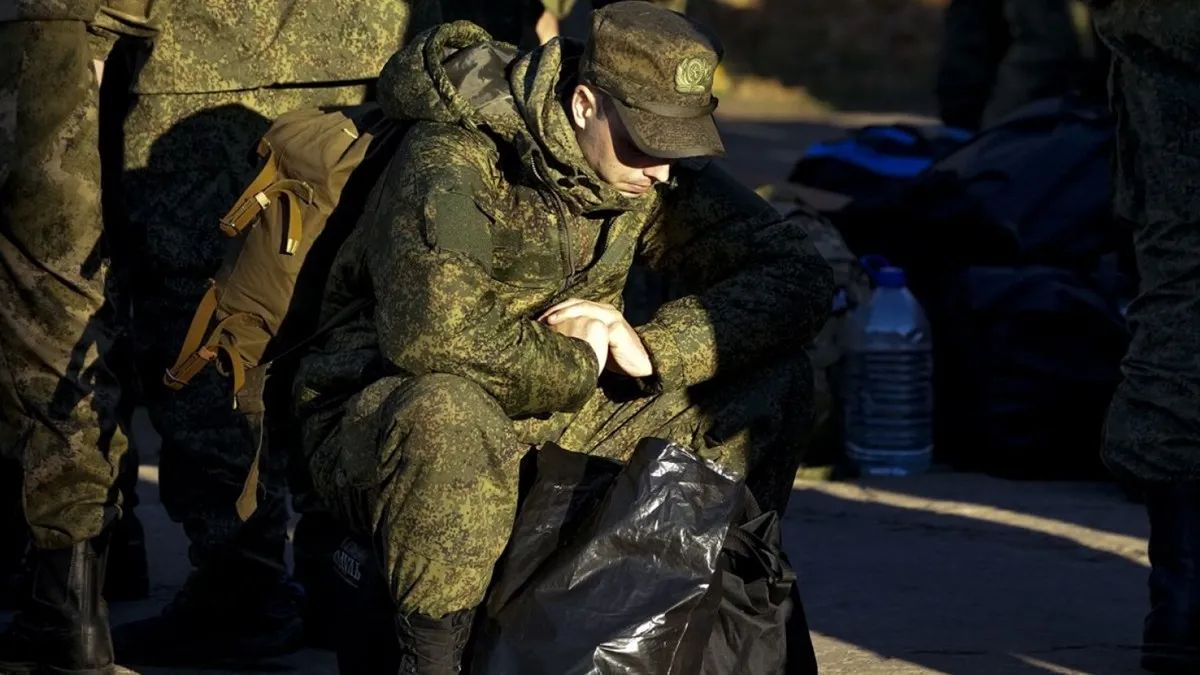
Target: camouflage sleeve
x=48, y=10
x=757, y=285
x=438, y=308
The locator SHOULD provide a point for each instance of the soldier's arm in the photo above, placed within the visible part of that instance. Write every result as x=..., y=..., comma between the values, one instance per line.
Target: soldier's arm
x=438, y=309
x=756, y=285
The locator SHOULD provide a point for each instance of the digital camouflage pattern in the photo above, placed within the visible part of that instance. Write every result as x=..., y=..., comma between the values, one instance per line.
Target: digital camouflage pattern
x=514, y=21
x=1153, y=422
x=417, y=410
x=203, y=98
x=228, y=45
x=58, y=397
x=49, y=10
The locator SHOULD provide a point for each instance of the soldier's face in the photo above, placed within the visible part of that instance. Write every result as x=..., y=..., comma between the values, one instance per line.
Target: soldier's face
x=609, y=150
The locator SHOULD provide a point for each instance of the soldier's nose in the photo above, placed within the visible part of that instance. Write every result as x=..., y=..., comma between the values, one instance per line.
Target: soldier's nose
x=659, y=172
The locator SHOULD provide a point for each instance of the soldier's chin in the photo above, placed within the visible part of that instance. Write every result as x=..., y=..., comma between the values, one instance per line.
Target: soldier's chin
x=630, y=190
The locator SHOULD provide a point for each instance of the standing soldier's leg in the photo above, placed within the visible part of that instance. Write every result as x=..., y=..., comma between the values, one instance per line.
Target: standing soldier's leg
x=974, y=40
x=188, y=156
x=1043, y=59
x=57, y=398
x=1153, y=425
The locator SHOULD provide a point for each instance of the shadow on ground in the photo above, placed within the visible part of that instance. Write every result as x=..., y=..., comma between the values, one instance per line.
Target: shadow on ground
x=937, y=574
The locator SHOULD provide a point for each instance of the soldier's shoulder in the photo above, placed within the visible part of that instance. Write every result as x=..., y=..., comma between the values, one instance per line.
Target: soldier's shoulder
x=453, y=141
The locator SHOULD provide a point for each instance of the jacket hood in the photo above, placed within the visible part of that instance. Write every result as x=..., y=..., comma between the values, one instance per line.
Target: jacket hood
x=453, y=73
x=456, y=74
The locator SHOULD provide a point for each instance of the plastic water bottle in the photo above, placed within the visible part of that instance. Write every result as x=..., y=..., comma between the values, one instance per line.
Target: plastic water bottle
x=888, y=388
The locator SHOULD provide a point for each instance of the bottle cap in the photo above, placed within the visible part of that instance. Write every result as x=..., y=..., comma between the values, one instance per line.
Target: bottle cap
x=890, y=277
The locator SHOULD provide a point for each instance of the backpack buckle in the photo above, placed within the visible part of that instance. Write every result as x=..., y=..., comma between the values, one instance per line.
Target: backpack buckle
x=181, y=374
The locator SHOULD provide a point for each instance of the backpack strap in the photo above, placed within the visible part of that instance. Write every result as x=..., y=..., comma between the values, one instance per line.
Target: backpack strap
x=258, y=195
x=247, y=501
x=193, y=356
x=243, y=211
x=237, y=369
x=202, y=345
x=248, y=207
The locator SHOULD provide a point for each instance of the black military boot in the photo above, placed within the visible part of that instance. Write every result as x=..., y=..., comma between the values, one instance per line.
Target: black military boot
x=14, y=537
x=63, y=626
x=316, y=538
x=1171, y=637
x=232, y=616
x=433, y=646
x=128, y=577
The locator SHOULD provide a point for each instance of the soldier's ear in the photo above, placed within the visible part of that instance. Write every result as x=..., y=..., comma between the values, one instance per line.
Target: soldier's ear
x=584, y=106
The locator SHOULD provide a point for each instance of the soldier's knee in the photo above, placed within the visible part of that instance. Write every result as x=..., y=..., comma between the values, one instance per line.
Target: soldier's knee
x=442, y=412
x=445, y=398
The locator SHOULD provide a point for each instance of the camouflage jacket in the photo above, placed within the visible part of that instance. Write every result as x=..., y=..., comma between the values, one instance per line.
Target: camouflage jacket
x=221, y=45
x=227, y=45
x=488, y=214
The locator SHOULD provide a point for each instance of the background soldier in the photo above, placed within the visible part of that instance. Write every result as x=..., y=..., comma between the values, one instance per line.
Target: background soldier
x=203, y=94
x=998, y=55
x=495, y=249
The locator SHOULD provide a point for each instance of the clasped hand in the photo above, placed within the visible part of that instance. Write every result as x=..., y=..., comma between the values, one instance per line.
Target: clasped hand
x=617, y=346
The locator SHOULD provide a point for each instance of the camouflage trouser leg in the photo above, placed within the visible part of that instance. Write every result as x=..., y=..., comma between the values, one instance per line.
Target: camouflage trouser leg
x=429, y=465
x=188, y=156
x=1043, y=59
x=58, y=399
x=998, y=55
x=974, y=40
x=1153, y=425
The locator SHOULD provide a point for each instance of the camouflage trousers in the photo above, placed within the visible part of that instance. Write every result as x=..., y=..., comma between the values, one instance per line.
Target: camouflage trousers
x=187, y=157
x=59, y=399
x=998, y=55
x=428, y=466
x=1153, y=425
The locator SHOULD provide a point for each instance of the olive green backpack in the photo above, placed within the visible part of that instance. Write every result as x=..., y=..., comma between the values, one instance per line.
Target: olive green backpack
x=317, y=166
x=313, y=160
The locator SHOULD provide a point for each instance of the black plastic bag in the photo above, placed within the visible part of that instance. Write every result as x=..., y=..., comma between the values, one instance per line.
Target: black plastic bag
x=628, y=591
x=637, y=569
x=760, y=627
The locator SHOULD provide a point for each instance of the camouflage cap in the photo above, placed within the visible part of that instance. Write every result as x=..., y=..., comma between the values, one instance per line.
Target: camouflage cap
x=657, y=66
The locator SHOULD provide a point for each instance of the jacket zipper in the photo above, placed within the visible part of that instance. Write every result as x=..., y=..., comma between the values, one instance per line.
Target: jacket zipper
x=566, y=247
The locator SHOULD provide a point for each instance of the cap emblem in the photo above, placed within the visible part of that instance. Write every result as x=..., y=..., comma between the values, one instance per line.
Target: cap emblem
x=693, y=75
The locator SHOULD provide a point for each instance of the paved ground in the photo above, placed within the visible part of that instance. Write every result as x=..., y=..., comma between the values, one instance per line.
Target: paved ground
x=945, y=573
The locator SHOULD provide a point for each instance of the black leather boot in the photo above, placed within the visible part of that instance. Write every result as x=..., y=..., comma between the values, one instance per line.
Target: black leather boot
x=316, y=538
x=225, y=615
x=128, y=576
x=1171, y=639
x=433, y=646
x=63, y=626
x=14, y=537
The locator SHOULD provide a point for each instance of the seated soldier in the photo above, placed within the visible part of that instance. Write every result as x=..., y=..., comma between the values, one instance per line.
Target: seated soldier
x=493, y=253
